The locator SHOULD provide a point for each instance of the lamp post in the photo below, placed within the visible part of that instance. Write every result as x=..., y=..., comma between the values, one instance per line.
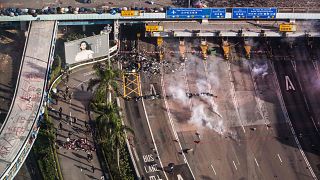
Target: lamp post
x=107, y=29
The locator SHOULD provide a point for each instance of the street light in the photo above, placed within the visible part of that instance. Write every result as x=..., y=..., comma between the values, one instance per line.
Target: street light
x=106, y=30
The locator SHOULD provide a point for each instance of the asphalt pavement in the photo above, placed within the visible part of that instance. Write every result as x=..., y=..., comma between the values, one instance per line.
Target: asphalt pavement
x=293, y=68
x=242, y=133
x=74, y=163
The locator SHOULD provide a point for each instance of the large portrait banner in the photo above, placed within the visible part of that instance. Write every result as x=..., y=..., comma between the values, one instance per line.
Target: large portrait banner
x=86, y=48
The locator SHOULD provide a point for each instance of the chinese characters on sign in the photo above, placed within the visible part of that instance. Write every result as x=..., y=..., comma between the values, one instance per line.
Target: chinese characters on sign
x=196, y=13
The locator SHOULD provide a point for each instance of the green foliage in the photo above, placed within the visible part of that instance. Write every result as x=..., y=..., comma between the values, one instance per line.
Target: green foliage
x=106, y=81
x=43, y=149
x=109, y=124
x=126, y=169
x=74, y=36
x=56, y=67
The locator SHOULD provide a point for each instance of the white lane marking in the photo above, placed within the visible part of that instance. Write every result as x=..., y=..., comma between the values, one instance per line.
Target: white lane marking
x=261, y=106
x=213, y=169
x=234, y=98
x=279, y=158
x=152, y=90
x=152, y=137
x=82, y=83
x=256, y=162
x=235, y=165
x=285, y=112
x=171, y=121
x=89, y=73
x=210, y=90
x=289, y=84
x=236, y=156
x=307, y=105
x=135, y=153
x=294, y=65
x=314, y=124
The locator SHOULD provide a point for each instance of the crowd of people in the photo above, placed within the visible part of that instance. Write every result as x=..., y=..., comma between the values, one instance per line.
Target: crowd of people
x=79, y=144
x=73, y=143
x=190, y=95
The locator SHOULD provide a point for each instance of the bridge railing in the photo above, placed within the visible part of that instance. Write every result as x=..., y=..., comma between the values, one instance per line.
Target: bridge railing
x=12, y=169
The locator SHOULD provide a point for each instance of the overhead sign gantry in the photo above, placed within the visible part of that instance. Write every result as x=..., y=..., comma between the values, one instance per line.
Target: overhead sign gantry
x=196, y=13
x=254, y=13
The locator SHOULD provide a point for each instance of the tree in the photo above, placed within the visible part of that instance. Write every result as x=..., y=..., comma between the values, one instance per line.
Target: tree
x=106, y=80
x=110, y=127
x=117, y=136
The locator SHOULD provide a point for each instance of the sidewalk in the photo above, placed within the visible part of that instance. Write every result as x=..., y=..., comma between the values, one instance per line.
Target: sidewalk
x=73, y=155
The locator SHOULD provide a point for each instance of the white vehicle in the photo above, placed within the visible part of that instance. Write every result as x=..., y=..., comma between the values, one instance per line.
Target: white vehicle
x=150, y=2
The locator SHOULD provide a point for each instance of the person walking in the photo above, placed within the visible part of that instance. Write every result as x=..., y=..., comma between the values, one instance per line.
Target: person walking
x=92, y=168
x=60, y=125
x=88, y=156
x=60, y=115
x=74, y=120
x=60, y=110
x=70, y=120
x=82, y=87
x=67, y=89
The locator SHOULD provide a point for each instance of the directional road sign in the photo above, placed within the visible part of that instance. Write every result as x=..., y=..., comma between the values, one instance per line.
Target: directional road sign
x=188, y=13
x=254, y=13
x=239, y=13
x=217, y=13
x=261, y=13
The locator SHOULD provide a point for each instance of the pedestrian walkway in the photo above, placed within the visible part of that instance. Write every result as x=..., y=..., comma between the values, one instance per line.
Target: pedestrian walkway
x=76, y=149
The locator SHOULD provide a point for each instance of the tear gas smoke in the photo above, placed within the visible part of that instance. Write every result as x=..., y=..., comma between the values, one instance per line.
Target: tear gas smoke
x=177, y=91
x=260, y=70
x=203, y=117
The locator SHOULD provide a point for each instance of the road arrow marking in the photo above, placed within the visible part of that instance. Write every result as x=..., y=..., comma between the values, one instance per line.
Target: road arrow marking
x=289, y=85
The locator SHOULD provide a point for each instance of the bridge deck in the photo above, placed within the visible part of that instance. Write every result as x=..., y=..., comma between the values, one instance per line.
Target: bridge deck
x=29, y=93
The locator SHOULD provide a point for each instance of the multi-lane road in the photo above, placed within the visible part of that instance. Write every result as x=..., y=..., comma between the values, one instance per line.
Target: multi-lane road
x=246, y=119
x=298, y=77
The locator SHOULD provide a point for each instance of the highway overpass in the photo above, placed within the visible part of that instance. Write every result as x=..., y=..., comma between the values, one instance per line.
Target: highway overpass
x=21, y=125
x=142, y=16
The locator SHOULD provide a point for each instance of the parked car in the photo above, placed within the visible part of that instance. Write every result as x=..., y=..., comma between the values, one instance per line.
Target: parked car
x=150, y=2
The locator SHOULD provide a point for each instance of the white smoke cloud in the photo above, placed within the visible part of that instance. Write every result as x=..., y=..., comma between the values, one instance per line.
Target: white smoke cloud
x=178, y=92
x=203, y=117
x=260, y=70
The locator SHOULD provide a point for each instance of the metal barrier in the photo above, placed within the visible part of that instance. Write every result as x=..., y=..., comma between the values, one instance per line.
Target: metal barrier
x=283, y=13
x=14, y=166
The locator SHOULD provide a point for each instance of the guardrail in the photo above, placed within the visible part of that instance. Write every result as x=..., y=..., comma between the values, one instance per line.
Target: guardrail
x=111, y=50
x=11, y=171
x=294, y=13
